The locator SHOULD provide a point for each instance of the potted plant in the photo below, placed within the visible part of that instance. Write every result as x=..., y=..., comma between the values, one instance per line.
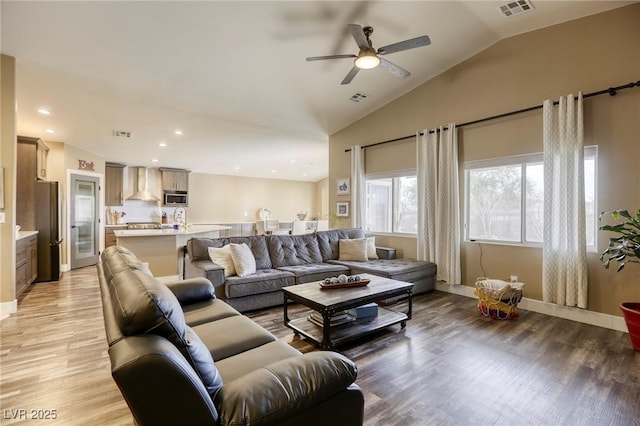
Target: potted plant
x=624, y=248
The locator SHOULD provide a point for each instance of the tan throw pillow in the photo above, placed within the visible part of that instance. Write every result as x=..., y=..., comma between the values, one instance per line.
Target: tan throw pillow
x=222, y=257
x=353, y=249
x=243, y=259
x=371, y=248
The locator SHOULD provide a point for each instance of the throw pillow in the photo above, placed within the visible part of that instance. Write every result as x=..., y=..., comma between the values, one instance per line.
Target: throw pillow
x=243, y=259
x=371, y=248
x=222, y=256
x=353, y=249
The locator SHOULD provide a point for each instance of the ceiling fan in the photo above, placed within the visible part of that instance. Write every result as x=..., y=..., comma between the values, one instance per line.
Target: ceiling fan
x=369, y=58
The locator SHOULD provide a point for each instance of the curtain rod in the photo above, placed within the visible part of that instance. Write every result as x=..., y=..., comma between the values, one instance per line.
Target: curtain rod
x=611, y=91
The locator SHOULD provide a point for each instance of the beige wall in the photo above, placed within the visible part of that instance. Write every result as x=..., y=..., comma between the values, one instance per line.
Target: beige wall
x=588, y=54
x=8, y=161
x=322, y=200
x=218, y=198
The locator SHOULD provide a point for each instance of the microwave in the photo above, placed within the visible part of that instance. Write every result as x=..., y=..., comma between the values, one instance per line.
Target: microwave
x=175, y=199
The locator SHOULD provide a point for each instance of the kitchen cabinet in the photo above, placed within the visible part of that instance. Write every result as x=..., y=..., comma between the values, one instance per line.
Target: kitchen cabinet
x=26, y=175
x=113, y=184
x=110, y=238
x=26, y=262
x=175, y=180
x=42, y=154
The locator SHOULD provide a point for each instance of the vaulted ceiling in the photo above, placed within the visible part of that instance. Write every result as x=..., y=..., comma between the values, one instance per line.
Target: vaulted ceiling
x=232, y=76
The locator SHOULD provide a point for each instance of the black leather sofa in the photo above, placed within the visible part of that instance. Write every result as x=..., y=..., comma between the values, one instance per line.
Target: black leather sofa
x=181, y=356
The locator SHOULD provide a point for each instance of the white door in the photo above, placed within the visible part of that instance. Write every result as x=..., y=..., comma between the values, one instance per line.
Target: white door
x=84, y=221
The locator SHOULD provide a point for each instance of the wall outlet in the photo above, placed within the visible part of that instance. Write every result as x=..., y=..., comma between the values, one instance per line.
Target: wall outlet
x=513, y=278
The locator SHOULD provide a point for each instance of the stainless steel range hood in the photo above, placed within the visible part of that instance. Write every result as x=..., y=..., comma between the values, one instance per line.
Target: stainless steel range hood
x=142, y=187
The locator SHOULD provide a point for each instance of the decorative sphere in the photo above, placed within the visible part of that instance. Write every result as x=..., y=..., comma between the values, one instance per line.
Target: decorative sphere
x=356, y=278
x=334, y=280
x=342, y=278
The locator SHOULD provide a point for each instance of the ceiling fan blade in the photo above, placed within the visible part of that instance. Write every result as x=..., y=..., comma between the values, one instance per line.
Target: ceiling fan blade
x=358, y=35
x=394, y=69
x=404, y=45
x=350, y=75
x=320, y=58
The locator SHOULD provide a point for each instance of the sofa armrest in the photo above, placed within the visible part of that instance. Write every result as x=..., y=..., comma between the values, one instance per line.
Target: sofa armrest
x=281, y=390
x=192, y=290
x=386, y=252
x=206, y=269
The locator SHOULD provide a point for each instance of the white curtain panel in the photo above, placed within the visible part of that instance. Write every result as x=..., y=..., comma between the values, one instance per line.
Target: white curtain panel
x=564, y=257
x=438, y=201
x=357, y=187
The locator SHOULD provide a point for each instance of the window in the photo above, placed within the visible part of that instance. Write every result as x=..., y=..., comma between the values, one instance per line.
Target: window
x=504, y=199
x=391, y=203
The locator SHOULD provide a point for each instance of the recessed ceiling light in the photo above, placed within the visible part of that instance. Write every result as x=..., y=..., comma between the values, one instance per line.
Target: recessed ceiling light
x=292, y=161
x=273, y=171
x=162, y=145
x=49, y=130
x=304, y=174
x=178, y=132
x=44, y=111
x=237, y=167
x=155, y=160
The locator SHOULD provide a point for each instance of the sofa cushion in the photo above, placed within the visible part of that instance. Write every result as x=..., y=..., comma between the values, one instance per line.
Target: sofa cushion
x=117, y=259
x=328, y=241
x=201, y=360
x=238, y=365
x=287, y=250
x=221, y=256
x=258, y=246
x=210, y=310
x=232, y=335
x=315, y=271
x=198, y=248
x=353, y=249
x=372, y=252
x=407, y=270
x=263, y=281
x=243, y=260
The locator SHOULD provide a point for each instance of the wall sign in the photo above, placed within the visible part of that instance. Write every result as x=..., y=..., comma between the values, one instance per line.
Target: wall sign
x=85, y=165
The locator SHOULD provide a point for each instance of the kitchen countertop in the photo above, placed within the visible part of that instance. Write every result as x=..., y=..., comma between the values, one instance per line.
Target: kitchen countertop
x=191, y=229
x=24, y=234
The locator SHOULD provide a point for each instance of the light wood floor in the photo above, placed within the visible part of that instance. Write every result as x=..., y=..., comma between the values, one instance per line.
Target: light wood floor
x=449, y=366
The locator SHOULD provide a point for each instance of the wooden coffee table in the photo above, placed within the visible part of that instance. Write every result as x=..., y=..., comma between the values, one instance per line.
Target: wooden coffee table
x=329, y=302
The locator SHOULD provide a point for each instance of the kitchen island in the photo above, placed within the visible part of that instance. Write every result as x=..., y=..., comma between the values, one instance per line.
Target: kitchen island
x=163, y=249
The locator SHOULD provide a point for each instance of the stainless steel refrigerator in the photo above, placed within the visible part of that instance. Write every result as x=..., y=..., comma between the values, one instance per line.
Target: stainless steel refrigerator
x=48, y=225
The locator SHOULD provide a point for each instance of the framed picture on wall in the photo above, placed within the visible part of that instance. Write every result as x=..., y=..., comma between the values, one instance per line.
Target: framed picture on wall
x=342, y=209
x=343, y=186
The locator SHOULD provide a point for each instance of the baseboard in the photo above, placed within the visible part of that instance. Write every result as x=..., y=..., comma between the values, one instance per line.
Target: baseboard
x=574, y=314
x=8, y=308
x=64, y=267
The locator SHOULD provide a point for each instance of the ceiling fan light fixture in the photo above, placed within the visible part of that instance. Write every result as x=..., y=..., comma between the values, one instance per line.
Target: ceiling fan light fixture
x=367, y=60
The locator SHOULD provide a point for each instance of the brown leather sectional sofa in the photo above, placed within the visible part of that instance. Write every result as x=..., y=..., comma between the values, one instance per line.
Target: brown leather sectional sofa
x=181, y=356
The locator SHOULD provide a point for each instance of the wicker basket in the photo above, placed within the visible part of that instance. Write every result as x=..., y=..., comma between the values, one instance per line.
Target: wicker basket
x=498, y=299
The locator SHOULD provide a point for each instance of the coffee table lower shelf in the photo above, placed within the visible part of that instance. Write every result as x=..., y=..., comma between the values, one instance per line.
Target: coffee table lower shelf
x=342, y=333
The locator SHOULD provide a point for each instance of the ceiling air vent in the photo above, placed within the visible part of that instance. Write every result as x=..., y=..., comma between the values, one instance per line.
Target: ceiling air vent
x=516, y=7
x=358, y=97
x=122, y=134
